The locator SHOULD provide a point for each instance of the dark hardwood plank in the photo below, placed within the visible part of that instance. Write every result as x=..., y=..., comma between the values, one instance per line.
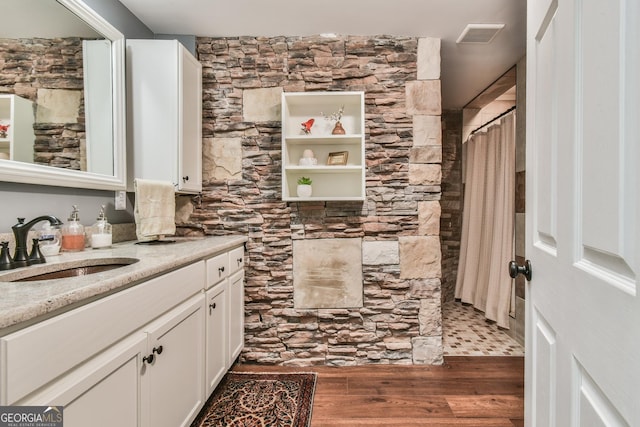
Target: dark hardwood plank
x=486, y=406
x=412, y=422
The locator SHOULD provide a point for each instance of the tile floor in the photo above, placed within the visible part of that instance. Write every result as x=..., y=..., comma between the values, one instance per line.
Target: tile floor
x=466, y=332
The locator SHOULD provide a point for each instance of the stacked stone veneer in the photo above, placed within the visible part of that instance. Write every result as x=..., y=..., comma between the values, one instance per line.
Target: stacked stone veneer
x=243, y=78
x=49, y=73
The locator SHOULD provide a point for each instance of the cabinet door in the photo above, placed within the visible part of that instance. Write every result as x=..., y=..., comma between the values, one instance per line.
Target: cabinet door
x=190, y=150
x=174, y=378
x=236, y=315
x=216, y=336
x=105, y=392
x=153, y=98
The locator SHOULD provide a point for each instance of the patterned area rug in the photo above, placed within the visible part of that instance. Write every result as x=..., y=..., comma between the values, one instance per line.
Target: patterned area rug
x=260, y=400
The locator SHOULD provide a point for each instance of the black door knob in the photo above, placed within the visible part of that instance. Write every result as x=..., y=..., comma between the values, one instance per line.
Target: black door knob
x=515, y=269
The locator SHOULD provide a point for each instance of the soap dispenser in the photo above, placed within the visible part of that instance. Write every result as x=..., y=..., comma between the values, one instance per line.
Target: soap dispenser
x=73, y=233
x=49, y=239
x=101, y=236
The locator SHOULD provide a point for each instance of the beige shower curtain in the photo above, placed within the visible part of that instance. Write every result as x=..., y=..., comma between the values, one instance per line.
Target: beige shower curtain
x=488, y=221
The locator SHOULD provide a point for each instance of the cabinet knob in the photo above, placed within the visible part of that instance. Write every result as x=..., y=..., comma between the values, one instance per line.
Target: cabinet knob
x=239, y=261
x=148, y=359
x=220, y=271
x=157, y=349
x=212, y=307
x=185, y=178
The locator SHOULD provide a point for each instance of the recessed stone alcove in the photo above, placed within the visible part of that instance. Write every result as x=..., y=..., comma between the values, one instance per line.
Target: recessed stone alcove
x=327, y=273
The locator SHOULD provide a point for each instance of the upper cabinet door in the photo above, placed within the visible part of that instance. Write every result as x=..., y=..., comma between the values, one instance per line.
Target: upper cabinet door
x=190, y=166
x=164, y=93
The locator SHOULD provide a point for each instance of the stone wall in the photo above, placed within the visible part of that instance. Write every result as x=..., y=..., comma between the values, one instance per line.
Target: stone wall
x=49, y=72
x=452, y=200
x=400, y=321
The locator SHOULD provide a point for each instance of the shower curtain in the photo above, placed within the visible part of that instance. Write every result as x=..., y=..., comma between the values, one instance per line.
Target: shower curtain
x=488, y=221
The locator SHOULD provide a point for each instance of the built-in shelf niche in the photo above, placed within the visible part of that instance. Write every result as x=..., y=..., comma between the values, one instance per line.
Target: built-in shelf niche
x=330, y=182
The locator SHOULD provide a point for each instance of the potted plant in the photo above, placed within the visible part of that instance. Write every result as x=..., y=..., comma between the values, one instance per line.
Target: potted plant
x=304, y=187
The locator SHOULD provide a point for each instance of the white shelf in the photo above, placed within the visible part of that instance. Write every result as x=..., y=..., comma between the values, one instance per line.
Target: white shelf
x=325, y=139
x=330, y=182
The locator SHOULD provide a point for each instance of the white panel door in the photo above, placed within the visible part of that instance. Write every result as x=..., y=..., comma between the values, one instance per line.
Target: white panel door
x=583, y=213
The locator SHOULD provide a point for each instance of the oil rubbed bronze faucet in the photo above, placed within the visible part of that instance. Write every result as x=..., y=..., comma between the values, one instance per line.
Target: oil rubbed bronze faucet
x=20, y=232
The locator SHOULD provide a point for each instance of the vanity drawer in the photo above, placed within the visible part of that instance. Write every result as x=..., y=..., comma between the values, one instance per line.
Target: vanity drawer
x=236, y=259
x=217, y=269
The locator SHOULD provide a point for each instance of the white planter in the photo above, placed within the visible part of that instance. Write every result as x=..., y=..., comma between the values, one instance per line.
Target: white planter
x=304, y=190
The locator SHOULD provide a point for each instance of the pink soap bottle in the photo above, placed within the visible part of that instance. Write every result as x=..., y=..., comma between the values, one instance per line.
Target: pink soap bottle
x=73, y=233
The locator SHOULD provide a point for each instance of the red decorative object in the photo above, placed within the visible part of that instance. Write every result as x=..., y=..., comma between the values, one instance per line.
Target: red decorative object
x=306, y=126
x=3, y=130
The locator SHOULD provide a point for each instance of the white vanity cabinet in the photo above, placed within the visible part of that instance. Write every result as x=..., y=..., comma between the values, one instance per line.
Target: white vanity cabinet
x=100, y=352
x=225, y=314
x=146, y=356
x=235, y=302
x=217, y=324
x=164, y=108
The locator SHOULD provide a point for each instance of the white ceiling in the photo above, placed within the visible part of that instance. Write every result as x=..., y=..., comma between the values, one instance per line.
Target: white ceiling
x=466, y=69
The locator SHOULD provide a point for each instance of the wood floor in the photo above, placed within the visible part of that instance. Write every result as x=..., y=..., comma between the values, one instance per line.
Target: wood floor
x=465, y=391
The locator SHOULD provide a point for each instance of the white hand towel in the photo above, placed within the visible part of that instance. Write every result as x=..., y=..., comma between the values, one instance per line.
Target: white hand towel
x=155, y=209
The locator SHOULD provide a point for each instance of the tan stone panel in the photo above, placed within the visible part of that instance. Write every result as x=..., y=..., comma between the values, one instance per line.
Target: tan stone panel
x=420, y=174
x=429, y=218
x=420, y=257
x=428, y=58
x=261, y=105
x=222, y=158
x=327, y=273
x=424, y=97
x=58, y=106
x=427, y=130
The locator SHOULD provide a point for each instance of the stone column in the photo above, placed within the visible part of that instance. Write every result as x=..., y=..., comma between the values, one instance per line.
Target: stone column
x=420, y=256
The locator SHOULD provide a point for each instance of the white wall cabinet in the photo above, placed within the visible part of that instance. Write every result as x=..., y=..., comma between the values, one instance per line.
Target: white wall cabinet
x=18, y=143
x=153, y=352
x=331, y=181
x=164, y=108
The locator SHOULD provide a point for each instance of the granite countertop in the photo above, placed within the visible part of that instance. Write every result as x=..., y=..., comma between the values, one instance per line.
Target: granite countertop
x=23, y=303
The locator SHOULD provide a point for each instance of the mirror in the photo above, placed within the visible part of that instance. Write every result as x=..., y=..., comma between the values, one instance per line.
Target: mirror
x=62, y=95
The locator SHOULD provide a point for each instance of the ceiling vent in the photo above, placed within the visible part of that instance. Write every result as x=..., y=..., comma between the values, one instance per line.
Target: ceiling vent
x=479, y=33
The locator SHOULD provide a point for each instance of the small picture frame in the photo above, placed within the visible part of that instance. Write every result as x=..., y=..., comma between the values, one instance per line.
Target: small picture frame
x=337, y=158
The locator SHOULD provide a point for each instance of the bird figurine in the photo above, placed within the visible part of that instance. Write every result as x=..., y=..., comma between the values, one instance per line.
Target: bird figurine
x=306, y=126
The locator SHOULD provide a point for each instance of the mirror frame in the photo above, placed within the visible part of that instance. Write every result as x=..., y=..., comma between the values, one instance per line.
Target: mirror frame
x=29, y=173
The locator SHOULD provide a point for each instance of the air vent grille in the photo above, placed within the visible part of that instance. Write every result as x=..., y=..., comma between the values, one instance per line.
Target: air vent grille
x=479, y=33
